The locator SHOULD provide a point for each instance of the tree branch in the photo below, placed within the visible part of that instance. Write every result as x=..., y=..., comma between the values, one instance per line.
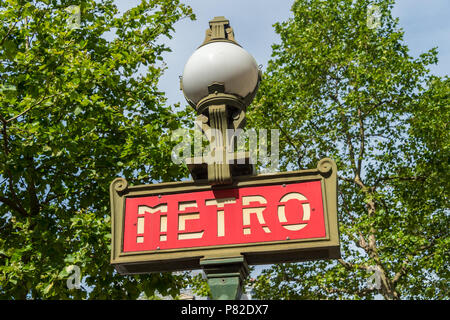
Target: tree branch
x=346, y=179
x=27, y=38
x=412, y=178
x=291, y=143
x=362, y=143
x=406, y=262
x=8, y=33
x=32, y=106
x=351, y=266
x=5, y=137
x=31, y=187
x=347, y=134
x=53, y=197
x=359, y=293
x=13, y=205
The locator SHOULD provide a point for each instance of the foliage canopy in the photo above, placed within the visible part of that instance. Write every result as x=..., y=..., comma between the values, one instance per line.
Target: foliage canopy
x=338, y=87
x=79, y=106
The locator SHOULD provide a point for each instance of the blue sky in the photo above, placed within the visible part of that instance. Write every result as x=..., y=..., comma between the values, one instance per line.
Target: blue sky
x=426, y=24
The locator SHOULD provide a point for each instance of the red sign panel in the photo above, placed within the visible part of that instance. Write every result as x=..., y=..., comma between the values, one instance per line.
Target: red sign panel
x=223, y=217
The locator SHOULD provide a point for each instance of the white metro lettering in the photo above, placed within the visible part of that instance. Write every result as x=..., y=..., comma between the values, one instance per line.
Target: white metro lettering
x=142, y=210
x=282, y=214
x=252, y=209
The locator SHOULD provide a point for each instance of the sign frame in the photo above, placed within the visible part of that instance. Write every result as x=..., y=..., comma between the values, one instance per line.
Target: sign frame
x=295, y=250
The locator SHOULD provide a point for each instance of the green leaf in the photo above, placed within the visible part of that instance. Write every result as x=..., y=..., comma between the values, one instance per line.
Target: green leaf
x=77, y=111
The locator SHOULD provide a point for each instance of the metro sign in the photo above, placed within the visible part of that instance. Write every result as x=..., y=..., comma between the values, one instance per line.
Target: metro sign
x=281, y=217
x=223, y=217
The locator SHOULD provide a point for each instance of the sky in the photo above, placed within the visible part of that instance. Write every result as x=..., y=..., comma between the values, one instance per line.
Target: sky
x=426, y=24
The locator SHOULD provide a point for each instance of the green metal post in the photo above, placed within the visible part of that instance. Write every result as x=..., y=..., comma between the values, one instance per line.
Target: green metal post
x=225, y=276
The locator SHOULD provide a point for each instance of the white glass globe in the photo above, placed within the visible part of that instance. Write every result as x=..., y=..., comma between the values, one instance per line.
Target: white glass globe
x=222, y=62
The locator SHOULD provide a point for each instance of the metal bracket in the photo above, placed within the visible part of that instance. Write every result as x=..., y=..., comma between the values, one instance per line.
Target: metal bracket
x=225, y=276
x=217, y=113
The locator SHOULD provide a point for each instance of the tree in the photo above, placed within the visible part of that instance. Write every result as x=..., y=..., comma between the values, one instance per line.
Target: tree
x=341, y=84
x=79, y=106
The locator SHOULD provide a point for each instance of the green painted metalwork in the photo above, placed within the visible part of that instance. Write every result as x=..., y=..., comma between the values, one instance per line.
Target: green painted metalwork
x=225, y=276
